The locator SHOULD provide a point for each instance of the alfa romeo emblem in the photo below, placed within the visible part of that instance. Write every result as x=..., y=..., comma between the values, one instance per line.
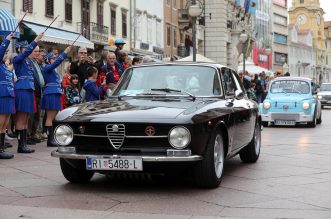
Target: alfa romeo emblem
x=150, y=130
x=115, y=128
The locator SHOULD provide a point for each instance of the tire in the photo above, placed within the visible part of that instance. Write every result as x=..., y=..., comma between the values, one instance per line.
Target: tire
x=319, y=120
x=265, y=124
x=74, y=171
x=313, y=123
x=251, y=153
x=208, y=172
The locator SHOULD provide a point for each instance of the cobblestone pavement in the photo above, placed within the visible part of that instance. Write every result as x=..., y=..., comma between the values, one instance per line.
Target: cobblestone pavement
x=292, y=179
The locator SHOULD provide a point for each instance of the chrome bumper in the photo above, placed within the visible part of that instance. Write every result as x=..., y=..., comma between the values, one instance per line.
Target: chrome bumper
x=76, y=156
x=297, y=117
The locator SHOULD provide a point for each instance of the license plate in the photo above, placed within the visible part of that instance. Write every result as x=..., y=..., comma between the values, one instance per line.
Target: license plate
x=129, y=164
x=284, y=122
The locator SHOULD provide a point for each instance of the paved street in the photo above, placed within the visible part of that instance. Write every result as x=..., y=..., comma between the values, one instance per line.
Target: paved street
x=292, y=179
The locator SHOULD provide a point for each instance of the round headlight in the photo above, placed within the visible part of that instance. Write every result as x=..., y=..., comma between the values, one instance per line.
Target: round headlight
x=305, y=105
x=63, y=135
x=266, y=105
x=179, y=137
x=319, y=97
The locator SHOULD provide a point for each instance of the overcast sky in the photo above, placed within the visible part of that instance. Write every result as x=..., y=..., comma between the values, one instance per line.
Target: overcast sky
x=325, y=4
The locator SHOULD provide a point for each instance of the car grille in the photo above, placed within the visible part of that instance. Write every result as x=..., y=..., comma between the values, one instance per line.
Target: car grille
x=126, y=138
x=116, y=134
x=285, y=116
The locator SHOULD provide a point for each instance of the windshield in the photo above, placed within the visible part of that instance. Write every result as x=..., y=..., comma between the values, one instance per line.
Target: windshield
x=195, y=80
x=325, y=87
x=290, y=86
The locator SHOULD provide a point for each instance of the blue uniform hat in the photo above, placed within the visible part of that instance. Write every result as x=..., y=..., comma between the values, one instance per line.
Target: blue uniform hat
x=49, y=56
x=22, y=44
x=119, y=41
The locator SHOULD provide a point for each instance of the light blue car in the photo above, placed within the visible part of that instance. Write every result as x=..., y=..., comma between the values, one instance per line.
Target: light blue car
x=290, y=101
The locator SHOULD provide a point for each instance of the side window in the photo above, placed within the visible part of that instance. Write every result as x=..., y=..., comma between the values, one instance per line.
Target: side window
x=238, y=82
x=228, y=82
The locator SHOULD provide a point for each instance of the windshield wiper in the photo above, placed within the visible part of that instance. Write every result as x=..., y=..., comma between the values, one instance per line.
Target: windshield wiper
x=169, y=90
x=141, y=94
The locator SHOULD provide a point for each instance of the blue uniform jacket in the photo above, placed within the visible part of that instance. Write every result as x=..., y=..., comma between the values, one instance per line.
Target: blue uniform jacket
x=24, y=69
x=52, y=78
x=109, y=72
x=92, y=90
x=6, y=76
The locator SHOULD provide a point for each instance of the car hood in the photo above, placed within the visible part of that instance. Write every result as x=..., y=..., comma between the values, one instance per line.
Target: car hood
x=289, y=97
x=131, y=110
x=324, y=93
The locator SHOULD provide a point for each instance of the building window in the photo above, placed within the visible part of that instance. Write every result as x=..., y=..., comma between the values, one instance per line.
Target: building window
x=124, y=24
x=28, y=6
x=279, y=58
x=68, y=10
x=158, y=33
x=149, y=30
x=86, y=18
x=168, y=34
x=302, y=1
x=282, y=3
x=175, y=38
x=49, y=8
x=113, y=21
x=280, y=38
x=100, y=12
x=280, y=19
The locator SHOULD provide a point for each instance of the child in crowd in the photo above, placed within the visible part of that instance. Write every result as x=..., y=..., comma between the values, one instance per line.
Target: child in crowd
x=72, y=91
x=92, y=91
x=251, y=92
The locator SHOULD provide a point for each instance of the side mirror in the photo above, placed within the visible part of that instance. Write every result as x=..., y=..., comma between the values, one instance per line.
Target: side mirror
x=238, y=94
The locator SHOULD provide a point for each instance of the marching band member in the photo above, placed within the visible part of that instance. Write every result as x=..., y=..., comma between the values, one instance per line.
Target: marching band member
x=7, y=101
x=51, y=100
x=24, y=91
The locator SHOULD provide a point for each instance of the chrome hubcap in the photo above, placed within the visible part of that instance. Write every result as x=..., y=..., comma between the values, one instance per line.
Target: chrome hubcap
x=218, y=155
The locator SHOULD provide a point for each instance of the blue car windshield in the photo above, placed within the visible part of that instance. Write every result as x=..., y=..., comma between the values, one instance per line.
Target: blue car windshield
x=325, y=87
x=290, y=86
x=196, y=80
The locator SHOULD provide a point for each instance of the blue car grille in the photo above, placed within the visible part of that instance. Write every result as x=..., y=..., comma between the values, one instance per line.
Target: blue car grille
x=285, y=116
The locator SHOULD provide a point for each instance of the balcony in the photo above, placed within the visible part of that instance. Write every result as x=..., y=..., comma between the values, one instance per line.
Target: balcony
x=95, y=32
x=183, y=16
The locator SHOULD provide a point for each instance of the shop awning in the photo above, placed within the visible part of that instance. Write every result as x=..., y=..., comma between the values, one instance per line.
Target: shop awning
x=8, y=23
x=54, y=35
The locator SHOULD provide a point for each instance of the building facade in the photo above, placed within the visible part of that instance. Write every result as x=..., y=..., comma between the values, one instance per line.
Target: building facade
x=148, y=27
x=280, y=35
x=327, y=32
x=301, y=52
x=171, y=27
x=309, y=15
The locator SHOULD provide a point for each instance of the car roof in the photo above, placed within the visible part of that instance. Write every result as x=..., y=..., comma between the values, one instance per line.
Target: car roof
x=292, y=78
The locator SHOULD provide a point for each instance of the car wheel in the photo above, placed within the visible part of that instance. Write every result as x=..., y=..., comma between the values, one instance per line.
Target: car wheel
x=251, y=152
x=74, y=170
x=265, y=124
x=319, y=120
x=209, y=171
x=313, y=123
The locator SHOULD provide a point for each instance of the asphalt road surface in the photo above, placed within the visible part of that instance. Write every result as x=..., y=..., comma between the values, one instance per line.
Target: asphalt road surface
x=292, y=179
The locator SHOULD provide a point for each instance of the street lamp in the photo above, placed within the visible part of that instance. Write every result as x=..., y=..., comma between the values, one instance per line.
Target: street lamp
x=194, y=11
x=243, y=38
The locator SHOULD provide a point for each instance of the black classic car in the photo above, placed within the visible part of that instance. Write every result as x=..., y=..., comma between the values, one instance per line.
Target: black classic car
x=179, y=116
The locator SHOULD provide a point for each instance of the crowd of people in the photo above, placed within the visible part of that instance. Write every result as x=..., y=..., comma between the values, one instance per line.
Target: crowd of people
x=32, y=91
x=257, y=85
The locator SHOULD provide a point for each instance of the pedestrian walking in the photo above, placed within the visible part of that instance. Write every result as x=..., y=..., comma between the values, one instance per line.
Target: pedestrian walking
x=24, y=91
x=7, y=101
x=51, y=101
